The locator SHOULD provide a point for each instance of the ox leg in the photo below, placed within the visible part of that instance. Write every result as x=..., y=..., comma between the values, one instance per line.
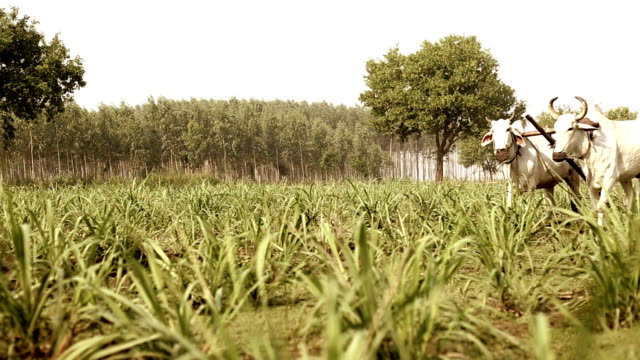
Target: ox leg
x=629, y=193
x=595, y=194
x=548, y=195
x=602, y=202
x=574, y=185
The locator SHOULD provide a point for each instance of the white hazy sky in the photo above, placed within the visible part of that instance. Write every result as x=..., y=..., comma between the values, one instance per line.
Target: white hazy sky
x=316, y=50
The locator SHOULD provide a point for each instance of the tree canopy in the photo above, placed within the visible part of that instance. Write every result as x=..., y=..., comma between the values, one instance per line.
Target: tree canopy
x=36, y=76
x=445, y=89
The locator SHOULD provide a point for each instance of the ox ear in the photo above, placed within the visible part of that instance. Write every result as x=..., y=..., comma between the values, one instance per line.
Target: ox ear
x=487, y=139
x=519, y=138
x=588, y=124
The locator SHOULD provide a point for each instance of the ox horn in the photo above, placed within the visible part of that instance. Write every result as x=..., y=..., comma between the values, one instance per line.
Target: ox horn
x=488, y=120
x=583, y=113
x=512, y=116
x=553, y=111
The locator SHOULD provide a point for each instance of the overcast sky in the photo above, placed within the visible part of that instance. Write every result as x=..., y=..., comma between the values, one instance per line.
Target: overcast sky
x=317, y=50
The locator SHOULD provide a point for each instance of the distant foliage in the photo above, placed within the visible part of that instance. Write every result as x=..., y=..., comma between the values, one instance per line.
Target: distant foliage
x=233, y=138
x=471, y=152
x=622, y=113
x=546, y=120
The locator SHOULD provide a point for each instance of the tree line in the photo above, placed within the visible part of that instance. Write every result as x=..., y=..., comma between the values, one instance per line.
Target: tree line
x=249, y=139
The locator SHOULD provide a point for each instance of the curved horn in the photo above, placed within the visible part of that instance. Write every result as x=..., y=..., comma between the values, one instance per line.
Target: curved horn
x=512, y=116
x=583, y=113
x=553, y=111
x=488, y=120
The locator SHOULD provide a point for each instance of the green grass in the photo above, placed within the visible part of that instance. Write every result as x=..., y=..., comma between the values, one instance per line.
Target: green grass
x=177, y=269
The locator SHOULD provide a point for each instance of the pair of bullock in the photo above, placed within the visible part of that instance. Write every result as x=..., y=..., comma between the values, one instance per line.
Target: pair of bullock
x=608, y=151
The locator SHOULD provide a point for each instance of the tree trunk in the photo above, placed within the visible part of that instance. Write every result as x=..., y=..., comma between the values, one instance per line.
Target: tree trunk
x=301, y=161
x=59, y=160
x=417, y=160
x=393, y=174
x=31, y=150
x=277, y=164
x=255, y=164
x=443, y=146
x=402, y=174
x=224, y=159
x=439, y=165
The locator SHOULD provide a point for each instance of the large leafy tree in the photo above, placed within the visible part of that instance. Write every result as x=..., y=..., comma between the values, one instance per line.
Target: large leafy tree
x=445, y=89
x=36, y=76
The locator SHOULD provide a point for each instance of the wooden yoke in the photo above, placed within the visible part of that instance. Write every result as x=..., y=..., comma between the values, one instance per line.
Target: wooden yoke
x=546, y=135
x=536, y=133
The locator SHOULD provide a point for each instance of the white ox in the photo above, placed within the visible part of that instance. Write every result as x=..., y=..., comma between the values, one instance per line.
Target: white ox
x=529, y=159
x=609, y=151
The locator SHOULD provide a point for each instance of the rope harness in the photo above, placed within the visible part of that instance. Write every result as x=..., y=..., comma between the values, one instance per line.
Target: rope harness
x=589, y=141
x=515, y=153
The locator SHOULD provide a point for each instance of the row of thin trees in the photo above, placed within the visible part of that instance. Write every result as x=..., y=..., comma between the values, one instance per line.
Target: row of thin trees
x=231, y=139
